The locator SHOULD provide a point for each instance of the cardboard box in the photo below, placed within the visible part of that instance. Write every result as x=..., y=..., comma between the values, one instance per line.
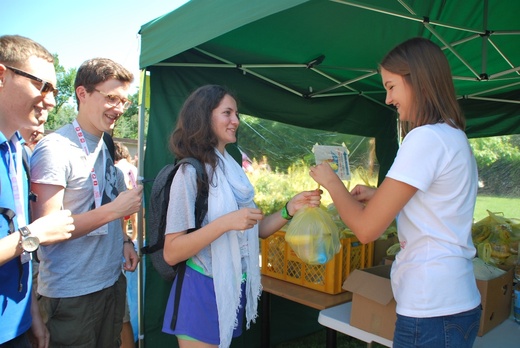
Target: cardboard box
x=496, y=295
x=380, y=248
x=373, y=304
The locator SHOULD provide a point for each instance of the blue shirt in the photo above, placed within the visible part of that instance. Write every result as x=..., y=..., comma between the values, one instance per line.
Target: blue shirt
x=15, y=286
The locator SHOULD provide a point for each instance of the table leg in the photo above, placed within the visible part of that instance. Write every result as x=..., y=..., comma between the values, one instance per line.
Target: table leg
x=265, y=340
x=331, y=338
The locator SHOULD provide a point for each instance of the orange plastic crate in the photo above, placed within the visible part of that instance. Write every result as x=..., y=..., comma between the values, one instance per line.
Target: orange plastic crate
x=281, y=262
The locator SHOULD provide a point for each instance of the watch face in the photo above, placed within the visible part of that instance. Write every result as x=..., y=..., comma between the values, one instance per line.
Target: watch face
x=30, y=244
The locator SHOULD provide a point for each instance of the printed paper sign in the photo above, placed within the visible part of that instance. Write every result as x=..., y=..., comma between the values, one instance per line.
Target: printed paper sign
x=337, y=156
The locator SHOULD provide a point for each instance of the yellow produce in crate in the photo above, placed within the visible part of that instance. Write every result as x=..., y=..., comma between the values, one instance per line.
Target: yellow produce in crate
x=281, y=262
x=494, y=237
x=313, y=236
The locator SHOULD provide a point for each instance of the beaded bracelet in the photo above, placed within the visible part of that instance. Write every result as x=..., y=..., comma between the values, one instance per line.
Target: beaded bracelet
x=285, y=213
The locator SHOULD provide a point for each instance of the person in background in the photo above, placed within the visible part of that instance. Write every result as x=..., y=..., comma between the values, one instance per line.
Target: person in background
x=81, y=283
x=123, y=162
x=431, y=188
x=32, y=135
x=222, y=280
x=27, y=80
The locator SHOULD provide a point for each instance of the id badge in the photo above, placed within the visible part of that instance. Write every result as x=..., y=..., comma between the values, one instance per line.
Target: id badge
x=99, y=232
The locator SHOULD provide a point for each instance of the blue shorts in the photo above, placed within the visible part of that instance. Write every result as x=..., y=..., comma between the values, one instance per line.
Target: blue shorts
x=197, y=316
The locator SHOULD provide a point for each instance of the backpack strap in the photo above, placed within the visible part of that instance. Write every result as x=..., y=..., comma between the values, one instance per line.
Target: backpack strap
x=201, y=208
x=33, y=197
x=109, y=142
x=9, y=215
x=201, y=202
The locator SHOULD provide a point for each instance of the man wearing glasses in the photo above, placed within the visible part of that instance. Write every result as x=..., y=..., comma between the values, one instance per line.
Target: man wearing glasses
x=27, y=80
x=81, y=282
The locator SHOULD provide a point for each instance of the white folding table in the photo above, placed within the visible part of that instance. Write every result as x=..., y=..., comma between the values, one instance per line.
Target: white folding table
x=337, y=318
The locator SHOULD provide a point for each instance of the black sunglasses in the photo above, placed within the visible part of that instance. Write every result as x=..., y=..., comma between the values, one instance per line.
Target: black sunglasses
x=46, y=86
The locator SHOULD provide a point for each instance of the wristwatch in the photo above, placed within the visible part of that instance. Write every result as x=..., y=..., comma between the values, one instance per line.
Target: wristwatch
x=28, y=243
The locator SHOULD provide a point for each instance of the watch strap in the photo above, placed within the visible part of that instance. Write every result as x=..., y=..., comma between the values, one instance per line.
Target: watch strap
x=24, y=231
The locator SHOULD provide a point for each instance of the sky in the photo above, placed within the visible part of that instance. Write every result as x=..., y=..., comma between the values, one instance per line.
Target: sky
x=79, y=30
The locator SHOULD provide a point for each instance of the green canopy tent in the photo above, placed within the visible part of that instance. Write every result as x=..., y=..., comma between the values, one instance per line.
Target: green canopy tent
x=313, y=63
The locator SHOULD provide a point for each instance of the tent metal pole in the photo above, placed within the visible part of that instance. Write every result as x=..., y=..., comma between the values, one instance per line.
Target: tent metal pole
x=250, y=72
x=449, y=47
x=232, y=66
x=506, y=32
x=494, y=99
x=493, y=89
x=502, y=55
x=343, y=84
x=140, y=215
x=405, y=16
x=485, y=40
x=272, y=82
x=505, y=72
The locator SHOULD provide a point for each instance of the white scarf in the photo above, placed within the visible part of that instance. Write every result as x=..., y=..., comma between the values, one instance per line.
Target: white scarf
x=232, y=192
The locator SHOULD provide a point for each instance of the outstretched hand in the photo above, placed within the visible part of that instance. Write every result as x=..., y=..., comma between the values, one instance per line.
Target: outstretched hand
x=243, y=219
x=54, y=227
x=363, y=193
x=323, y=174
x=304, y=199
x=129, y=202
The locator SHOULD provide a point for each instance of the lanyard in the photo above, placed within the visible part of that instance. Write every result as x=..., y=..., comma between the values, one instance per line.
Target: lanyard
x=93, y=176
x=16, y=176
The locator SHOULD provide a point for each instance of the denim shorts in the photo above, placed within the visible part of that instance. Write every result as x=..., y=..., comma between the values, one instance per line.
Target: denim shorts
x=197, y=315
x=450, y=331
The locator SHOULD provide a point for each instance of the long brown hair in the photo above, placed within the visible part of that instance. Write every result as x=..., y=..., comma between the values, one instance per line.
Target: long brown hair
x=193, y=135
x=426, y=70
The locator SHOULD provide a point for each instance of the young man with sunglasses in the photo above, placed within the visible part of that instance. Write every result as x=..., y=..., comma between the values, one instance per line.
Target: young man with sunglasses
x=81, y=282
x=27, y=80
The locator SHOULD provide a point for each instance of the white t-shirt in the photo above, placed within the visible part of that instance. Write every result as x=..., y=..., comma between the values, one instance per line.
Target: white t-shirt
x=181, y=214
x=433, y=272
x=126, y=167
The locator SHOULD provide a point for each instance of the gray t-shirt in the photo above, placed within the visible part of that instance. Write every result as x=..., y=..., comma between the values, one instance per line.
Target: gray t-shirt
x=89, y=263
x=181, y=214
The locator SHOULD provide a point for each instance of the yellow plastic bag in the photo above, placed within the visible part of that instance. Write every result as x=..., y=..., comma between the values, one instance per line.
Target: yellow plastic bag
x=313, y=236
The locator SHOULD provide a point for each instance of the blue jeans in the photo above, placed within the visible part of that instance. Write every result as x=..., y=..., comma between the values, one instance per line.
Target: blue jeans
x=451, y=331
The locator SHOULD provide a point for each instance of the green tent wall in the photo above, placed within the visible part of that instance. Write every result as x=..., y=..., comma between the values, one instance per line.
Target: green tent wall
x=314, y=64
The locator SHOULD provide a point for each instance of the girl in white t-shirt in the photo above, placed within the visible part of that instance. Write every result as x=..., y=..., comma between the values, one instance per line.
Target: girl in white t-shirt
x=431, y=188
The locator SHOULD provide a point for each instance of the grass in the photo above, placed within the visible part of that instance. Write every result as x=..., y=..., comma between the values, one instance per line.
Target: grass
x=510, y=207
x=273, y=189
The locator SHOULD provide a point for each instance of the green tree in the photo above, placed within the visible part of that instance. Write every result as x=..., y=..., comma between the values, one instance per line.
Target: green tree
x=498, y=162
x=65, y=86
x=66, y=107
x=127, y=125
x=65, y=115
